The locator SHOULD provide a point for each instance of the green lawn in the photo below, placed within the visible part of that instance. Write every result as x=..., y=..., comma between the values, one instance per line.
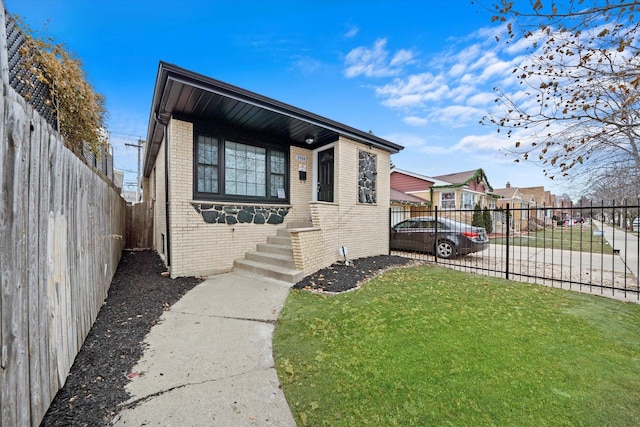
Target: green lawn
x=571, y=238
x=431, y=346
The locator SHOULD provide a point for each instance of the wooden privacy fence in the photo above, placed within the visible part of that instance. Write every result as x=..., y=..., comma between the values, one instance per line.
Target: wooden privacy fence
x=61, y=228
x=139, y=228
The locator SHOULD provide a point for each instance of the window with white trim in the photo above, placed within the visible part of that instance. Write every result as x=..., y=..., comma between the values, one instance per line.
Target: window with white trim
x=469, y=200
x=448, y=200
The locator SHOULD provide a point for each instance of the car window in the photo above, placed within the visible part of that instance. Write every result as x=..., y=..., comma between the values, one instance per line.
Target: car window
x=406, y=224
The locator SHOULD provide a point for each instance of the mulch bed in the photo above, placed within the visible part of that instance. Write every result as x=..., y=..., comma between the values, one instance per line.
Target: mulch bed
x=341, y=277
x=138, y=296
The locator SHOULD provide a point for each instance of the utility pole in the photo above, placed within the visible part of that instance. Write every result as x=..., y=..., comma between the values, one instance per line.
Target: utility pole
x=139, y=147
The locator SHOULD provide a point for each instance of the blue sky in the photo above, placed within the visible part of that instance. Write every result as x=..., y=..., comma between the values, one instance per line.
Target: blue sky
x=419, y=73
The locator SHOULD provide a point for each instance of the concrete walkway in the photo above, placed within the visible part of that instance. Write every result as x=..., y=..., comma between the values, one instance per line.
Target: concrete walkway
x=209, y=361
x=627, y=243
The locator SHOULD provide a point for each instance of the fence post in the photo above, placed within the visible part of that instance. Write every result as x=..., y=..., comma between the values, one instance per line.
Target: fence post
x=390, y=215
x=506, y=261
x=435, y=252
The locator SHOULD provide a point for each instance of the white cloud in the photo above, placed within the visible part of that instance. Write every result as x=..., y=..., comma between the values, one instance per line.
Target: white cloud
x=415, y=120
x=488, y=34
x=435, y=149
x=414, y=143
x=306, y=64
x=407, y=140
x=481, y=99
x=482, y=61
x=457, y=69
x=497, y=68
x=351, y=32
x=401, y=57
x=374, y=61
x=460, y=94
x=457, y=115
x=447, y=100
x=486, y=142
x=413, y=91
x=523, y=44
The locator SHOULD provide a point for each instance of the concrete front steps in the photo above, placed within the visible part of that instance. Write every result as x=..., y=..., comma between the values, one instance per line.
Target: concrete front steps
x=273, y=259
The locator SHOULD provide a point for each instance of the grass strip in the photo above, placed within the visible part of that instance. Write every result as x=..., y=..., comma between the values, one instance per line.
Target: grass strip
x=431, y=346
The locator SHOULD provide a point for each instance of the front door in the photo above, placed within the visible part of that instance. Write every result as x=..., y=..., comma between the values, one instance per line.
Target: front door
x=325, y=175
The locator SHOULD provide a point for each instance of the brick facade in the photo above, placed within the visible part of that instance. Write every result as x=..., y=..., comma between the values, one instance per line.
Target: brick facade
x=199, y=248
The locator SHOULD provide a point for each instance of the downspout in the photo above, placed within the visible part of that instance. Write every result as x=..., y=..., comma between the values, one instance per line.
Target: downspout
x=166, y=188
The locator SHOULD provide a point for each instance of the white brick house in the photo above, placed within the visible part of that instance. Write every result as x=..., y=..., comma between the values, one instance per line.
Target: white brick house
x=243, y=168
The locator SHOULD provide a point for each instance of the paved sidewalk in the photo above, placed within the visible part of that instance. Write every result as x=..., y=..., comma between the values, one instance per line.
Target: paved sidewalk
x=625, y=242
x=209, y=360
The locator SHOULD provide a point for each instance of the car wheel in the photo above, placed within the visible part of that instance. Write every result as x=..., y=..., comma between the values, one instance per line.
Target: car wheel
x=445, y=249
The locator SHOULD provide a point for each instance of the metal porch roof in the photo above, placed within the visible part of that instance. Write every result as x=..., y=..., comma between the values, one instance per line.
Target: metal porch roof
x=180, y=91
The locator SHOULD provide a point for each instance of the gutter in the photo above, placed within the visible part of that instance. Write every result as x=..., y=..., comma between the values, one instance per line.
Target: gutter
x=166, y=189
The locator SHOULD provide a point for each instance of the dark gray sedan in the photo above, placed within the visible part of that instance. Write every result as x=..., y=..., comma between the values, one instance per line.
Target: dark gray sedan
x=444, y=237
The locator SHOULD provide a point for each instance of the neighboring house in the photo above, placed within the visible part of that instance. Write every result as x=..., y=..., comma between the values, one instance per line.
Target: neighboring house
x=412, y=184
x=511, y=196
x=226, y=170
x=410, y=194
x=544, y=203
x=405, y=206
x=457, y=191
x=529, y=216
x=523, y=206
x=564, y=208
x=462, y=190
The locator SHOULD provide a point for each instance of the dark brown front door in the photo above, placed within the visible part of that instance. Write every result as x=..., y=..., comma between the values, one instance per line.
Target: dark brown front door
x=325, y=175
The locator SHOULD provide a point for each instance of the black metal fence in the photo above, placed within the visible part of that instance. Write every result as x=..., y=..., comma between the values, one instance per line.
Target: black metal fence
x=592, y=248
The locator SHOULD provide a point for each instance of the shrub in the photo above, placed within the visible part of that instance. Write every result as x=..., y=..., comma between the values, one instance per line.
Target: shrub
x=488, y=221
x=477, y=220
x=80, y=111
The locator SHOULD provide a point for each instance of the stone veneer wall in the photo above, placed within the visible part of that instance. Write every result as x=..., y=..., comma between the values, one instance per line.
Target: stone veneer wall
x=233, y=214
x=367, y=173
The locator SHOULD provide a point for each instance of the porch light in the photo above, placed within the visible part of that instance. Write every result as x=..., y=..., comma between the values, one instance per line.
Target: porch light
x=309, y=139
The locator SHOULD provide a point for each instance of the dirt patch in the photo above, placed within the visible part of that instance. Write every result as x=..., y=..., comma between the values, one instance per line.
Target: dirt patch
x=138, y=296
x=341, y=277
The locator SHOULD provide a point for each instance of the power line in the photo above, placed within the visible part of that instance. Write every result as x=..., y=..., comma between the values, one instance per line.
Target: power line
x=125, y=134
x=139, y=147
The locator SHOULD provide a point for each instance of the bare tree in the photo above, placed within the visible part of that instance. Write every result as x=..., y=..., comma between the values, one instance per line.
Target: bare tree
x=577, y=106
x=615, y=185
